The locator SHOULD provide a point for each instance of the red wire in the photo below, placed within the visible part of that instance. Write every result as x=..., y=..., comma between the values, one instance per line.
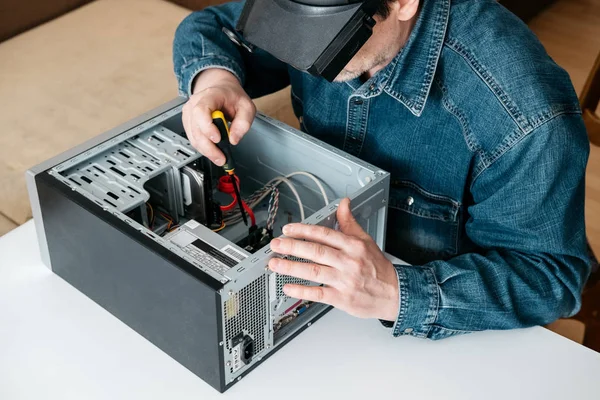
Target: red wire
x=250, y=212
x=225, y=185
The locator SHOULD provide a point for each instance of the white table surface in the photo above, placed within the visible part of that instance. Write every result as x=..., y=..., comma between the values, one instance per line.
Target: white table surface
x=55, y=343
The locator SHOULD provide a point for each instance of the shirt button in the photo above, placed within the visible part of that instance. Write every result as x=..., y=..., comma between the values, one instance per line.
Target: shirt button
x=372, y=87
x=410, y=200
x=358, y=101
x=301, y=119
x=408, y=330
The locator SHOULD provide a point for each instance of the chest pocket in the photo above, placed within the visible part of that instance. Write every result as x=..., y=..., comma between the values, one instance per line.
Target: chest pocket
x=422, y=226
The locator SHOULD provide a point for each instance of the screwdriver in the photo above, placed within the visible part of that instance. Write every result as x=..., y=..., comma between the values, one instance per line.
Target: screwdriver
x=229, y=166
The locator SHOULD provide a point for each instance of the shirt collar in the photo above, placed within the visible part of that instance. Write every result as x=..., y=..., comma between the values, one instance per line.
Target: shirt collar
x=410, y=74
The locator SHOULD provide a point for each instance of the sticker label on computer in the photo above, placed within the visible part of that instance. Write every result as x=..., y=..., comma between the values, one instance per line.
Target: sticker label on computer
x=214, y=253
x=233, y=252
x=192, y=224
x=209, y=256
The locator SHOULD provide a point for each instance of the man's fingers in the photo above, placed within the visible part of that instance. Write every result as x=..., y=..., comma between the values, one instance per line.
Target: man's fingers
x=314, y=252
x=208, y=149
x=348, y=223
x=245, y=111
x=202, y=122
x=318, y=294
x=309, y=271
x=318, y=234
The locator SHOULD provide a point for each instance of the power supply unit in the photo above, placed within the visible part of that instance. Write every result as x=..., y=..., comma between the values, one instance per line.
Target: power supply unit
x=141, y=223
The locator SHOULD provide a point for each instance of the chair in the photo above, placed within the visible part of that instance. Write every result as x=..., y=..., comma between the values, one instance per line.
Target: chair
x=590, y=96
x=589, y=99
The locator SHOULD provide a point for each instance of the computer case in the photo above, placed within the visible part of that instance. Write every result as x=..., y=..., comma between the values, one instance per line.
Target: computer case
x=197, y=293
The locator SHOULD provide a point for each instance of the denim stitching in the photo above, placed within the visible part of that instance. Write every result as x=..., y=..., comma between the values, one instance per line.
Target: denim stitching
x=402, y=279
x=434, y=56
x=425, y=193
x=205, y=67
x=491, y=83
x=212, y=62
x=349, y=113
x=363, y=128
x=434, y=300
x=462, y=119
x=441, y=25
x=351, y=127
x=421, y=213
x=508, y=143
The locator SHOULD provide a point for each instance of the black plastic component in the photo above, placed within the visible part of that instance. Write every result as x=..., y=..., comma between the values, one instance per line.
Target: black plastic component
x=224, y=144
x=317, y=36
x=215, y=216
x=247, y=350
x=257, y=239
x=201, y=210
x=247, y=347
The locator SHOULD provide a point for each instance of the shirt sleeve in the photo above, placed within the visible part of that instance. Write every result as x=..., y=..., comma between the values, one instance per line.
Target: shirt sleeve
x=200, y=44
x=528, y=221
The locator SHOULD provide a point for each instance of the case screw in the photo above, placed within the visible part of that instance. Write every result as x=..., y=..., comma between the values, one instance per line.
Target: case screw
x=268, y=346
x=229, y=363
x=220, y=343
x=309, y=324
x=239, y=378
x=231, y=293
x=383, y=201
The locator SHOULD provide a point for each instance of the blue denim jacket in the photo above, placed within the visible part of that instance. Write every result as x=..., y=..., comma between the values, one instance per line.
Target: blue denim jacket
x=483, y=136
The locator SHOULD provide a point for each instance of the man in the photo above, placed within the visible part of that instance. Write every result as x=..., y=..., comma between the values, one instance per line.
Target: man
x=482, y=134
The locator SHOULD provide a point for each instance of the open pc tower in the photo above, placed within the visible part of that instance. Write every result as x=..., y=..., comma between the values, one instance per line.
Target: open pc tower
x=135, y=219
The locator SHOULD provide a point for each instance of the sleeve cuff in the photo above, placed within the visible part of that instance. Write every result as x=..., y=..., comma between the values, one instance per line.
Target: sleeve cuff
x=419, y=299
x=192, y=68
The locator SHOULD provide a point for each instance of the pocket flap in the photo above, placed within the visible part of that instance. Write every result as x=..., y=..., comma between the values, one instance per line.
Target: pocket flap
x=410, y=197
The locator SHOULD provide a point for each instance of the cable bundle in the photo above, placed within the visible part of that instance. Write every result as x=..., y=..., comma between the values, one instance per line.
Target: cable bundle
x=273, y=207
x=232, y=216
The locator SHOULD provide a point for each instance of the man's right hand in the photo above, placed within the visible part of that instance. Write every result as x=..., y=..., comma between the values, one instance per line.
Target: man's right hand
x=216, y=89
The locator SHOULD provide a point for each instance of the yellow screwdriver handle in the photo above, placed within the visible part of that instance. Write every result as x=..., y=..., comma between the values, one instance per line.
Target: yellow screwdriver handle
x=224, y=145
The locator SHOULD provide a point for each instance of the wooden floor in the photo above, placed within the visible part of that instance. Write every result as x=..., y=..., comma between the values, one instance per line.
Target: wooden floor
x=570, y=31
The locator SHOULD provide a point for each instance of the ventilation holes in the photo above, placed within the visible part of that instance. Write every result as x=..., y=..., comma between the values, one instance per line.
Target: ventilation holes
x=157, y=139
x=118, y=171
x=246, y=311
x=286, y=279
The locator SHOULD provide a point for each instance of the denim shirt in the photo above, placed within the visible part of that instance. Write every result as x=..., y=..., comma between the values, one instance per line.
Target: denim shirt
x=482, y=134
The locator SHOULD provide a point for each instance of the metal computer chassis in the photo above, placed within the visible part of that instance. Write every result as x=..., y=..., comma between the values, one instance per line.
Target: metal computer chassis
x=216, y=321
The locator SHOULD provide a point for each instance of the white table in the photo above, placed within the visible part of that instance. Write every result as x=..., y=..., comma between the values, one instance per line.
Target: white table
x=55, y=343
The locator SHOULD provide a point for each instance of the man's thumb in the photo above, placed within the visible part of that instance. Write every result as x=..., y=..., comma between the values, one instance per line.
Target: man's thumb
x=348, y=224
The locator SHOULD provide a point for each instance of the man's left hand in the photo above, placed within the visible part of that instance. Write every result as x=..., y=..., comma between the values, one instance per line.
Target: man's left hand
x=356, y=275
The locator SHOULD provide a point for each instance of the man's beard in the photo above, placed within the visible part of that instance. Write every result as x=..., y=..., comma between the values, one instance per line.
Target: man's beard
x=347, y=75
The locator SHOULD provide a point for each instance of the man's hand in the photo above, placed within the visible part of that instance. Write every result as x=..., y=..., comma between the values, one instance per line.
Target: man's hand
x=358, y=278
x=216, y=89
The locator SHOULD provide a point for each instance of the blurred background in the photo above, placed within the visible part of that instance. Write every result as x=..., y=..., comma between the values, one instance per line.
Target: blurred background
x=71, y=69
